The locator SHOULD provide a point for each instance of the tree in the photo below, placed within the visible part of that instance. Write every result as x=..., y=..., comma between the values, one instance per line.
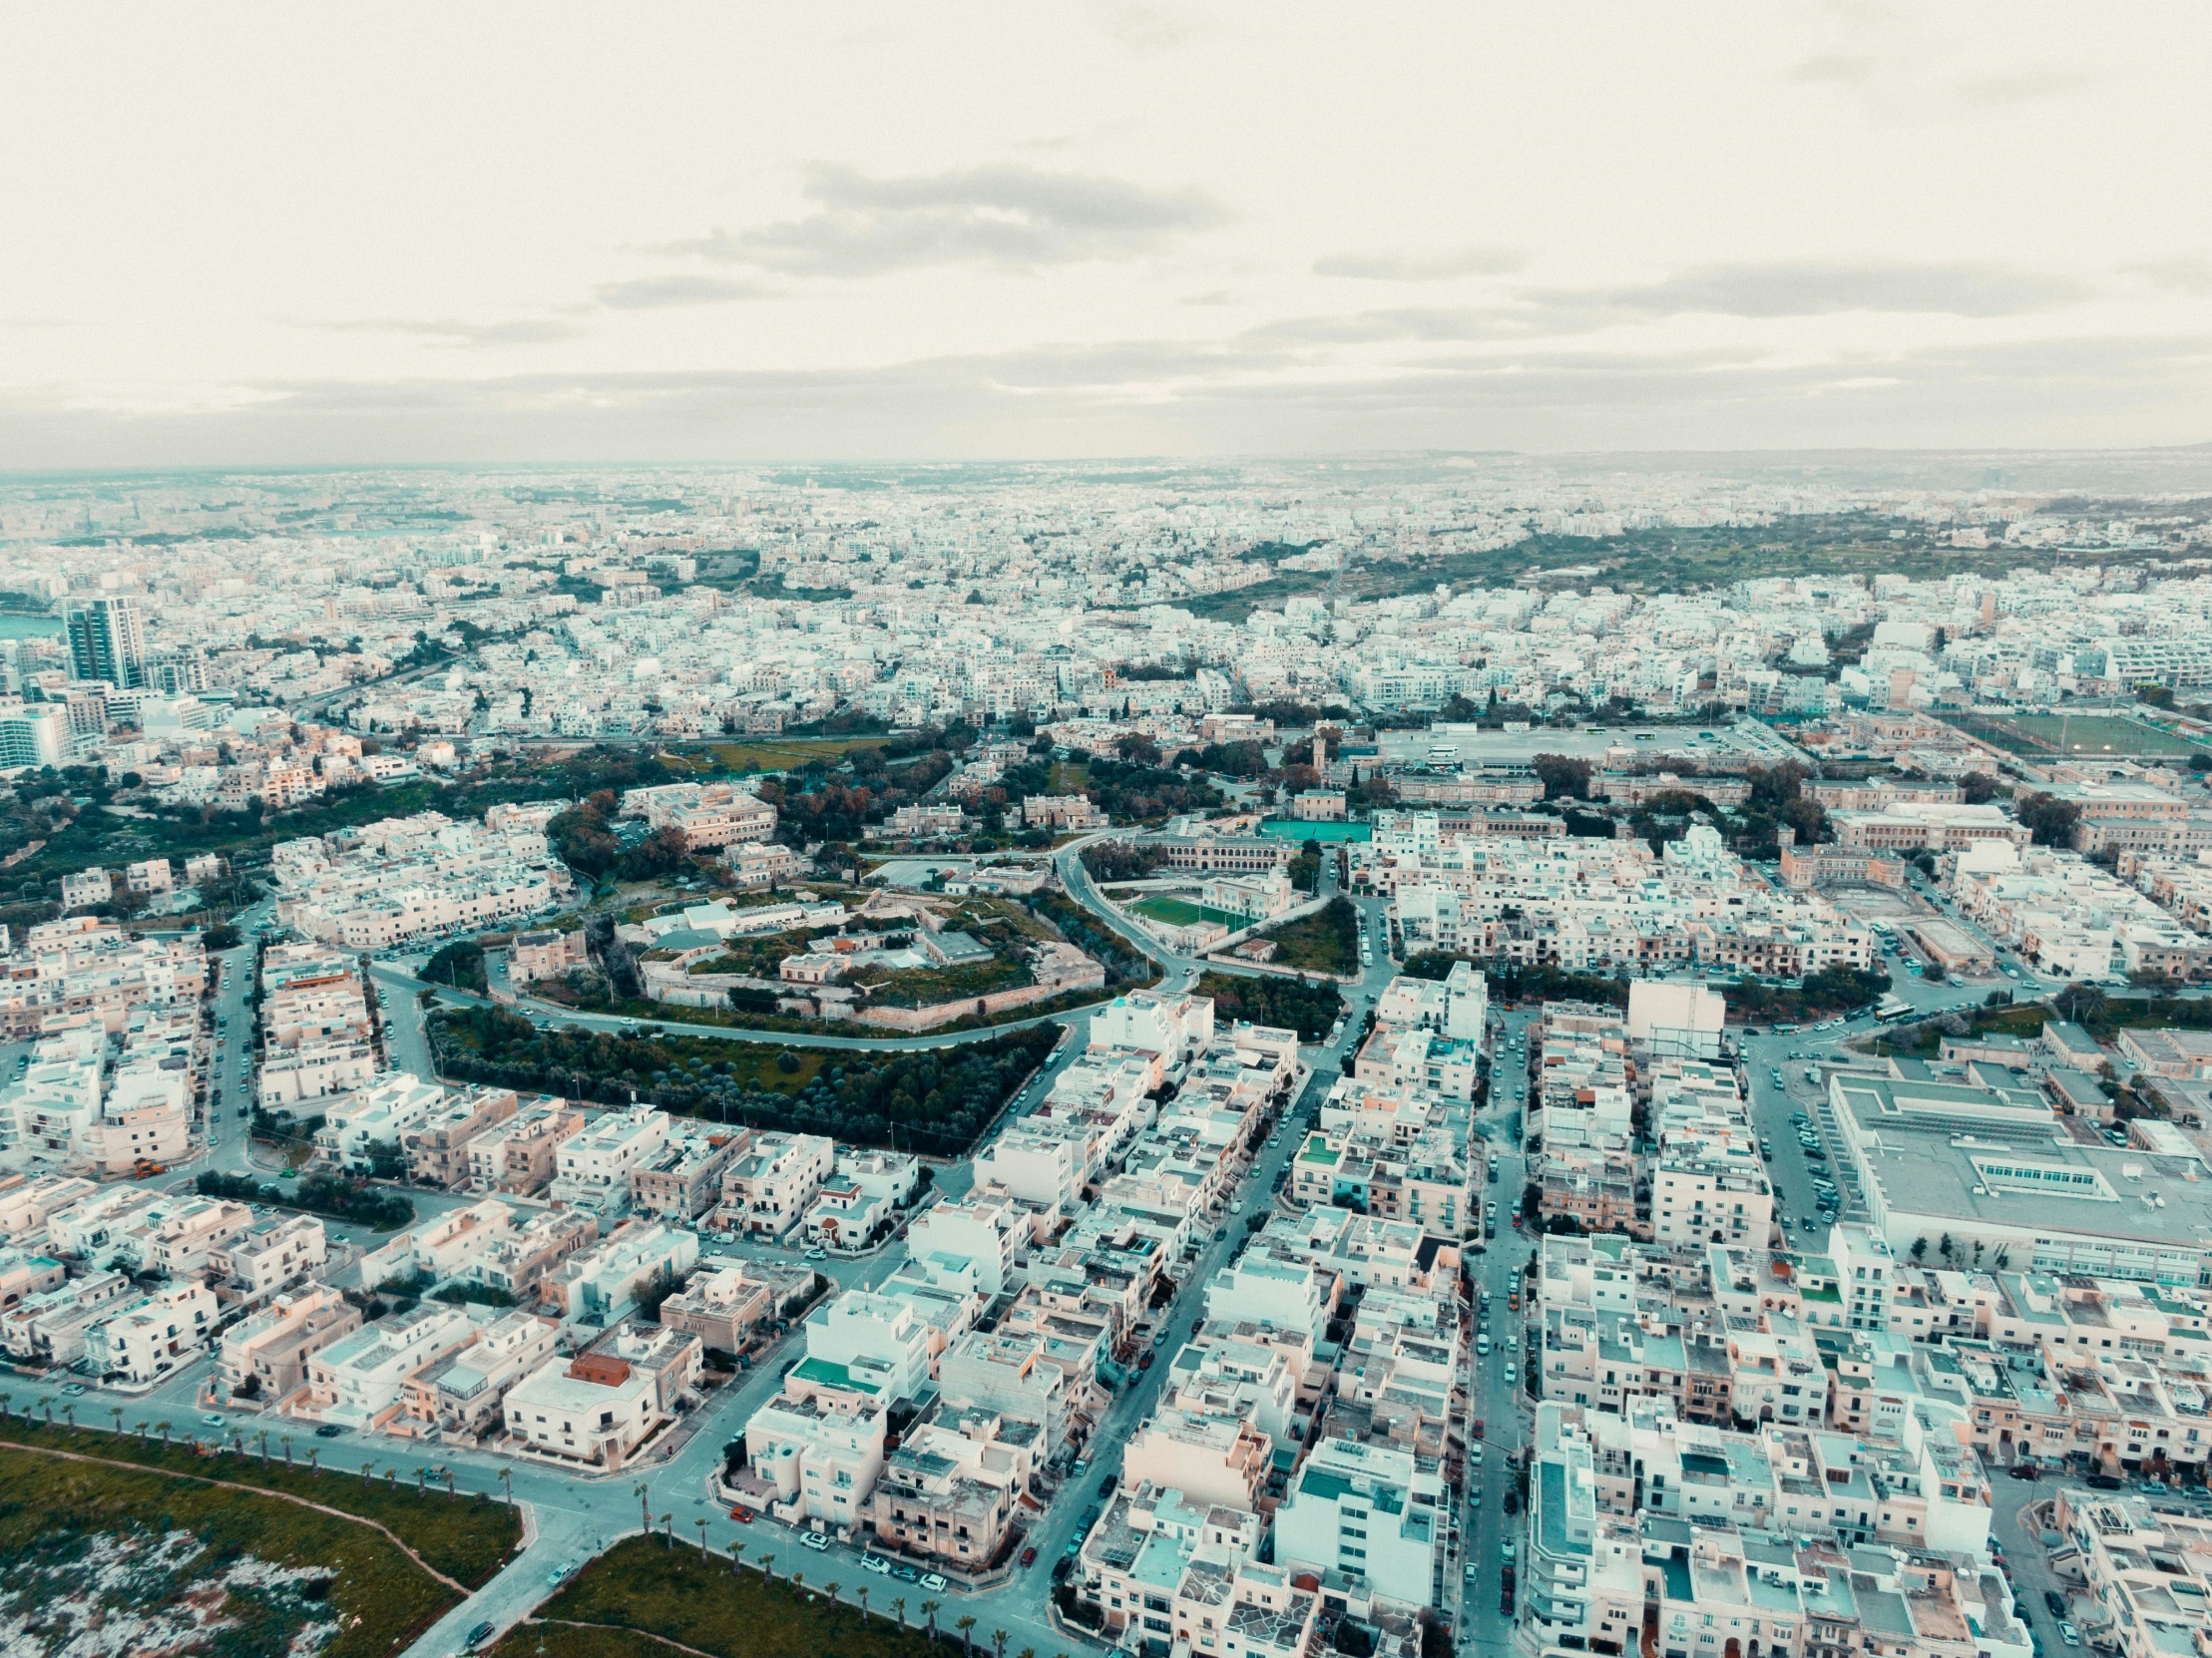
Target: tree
x=1564, y=777
x=1978, y=788
x=2049, y=818
x=2082, y=1004
x=1919, y=1250
x=965, y=1626
x=460, y=965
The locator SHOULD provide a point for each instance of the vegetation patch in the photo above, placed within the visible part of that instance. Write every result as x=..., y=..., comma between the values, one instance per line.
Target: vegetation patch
x=1125, y=965
x=465, y=1535
x=934, y=987
x=675, y=1593
x=934, y=1100
x=316, y=1194
x=1306, y=1006
x=1328, y=941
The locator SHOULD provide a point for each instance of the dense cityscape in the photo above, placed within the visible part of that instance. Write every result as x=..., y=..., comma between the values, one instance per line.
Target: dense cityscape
x=1424, y=1056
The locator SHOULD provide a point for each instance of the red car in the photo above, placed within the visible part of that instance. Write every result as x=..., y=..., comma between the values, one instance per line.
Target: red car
x=744, y=1516
x=1478, y=1427
x=1029, y=1557
x=1517, y=1220
x=1145, y=1360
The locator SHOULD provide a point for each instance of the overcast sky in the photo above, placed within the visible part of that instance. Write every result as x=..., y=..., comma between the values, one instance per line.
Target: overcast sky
x=449, y=234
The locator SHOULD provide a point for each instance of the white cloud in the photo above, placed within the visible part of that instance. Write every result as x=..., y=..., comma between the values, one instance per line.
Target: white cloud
x=1099, y=229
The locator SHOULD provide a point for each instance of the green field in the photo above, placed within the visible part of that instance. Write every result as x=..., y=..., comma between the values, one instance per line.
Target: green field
x=1180, y=911
x=786, y=753
x=2042, y=736
x=2098, y=734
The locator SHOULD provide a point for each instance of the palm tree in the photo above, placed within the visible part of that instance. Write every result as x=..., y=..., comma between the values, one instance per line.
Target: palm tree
x=768, y=1565
x=448, y=1481
x=314, y=1460
x=967, y=1645
x=369, y=1472
x=142, y=1430
x=929, y=1612
x=116, y=1410
x=391, y=1477
x=510, y=1484
x=830, y=1589
x=899, y=1606
x=162, y=1427
x=702, y=1538
x=286, y=1440
x=6, y=1400
x=999, y=1640
x=264, y=1438
x=48, y=1404
x=861, y=1594
x=667, y=1530
x=645, y=1507
x=69, y=1412
x=1026, y=1652
x=422, y=1481
x=798, y=1583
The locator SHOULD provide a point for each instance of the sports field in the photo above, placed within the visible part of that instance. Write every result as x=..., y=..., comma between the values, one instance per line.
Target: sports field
x=1180, y=911
x=2099, y=734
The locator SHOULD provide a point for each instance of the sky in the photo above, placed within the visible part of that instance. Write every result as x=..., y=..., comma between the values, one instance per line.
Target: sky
x=379, y=234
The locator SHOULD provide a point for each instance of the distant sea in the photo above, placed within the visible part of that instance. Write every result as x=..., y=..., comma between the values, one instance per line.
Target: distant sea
x=29, y=626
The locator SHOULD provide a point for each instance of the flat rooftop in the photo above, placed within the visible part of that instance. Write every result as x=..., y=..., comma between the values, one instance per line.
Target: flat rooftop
x=1998, y=1160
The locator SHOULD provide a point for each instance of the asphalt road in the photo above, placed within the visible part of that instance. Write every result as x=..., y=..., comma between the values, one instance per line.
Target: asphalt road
x=1500, y=1404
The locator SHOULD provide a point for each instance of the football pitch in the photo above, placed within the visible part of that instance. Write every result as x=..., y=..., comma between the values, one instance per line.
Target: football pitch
x=2099, y=734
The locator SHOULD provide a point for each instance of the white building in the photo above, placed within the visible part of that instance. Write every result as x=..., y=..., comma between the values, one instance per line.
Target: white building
x=1364, y=1510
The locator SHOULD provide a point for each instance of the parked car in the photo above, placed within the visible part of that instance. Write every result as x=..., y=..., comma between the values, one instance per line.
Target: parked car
x=742, y=1515
x=328, y=1431
x=1029, y=1557
x=814, y=1540
x=2070, y=1635
x=478, y=1636
x=2055, y=1601
x=875, y=1563
x=1512, y=1502
x=933, y=1581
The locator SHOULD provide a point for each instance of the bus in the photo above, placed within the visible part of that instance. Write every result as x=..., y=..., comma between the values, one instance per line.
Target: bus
x=1890, y=1009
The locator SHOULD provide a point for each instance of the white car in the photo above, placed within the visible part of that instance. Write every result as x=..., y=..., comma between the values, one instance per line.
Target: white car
x=814, y=1540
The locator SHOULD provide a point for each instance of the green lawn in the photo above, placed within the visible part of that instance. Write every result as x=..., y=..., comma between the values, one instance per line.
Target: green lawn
x=1180, y=911
x=672, y=1592
x=54, y=1513
x=785, y=754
